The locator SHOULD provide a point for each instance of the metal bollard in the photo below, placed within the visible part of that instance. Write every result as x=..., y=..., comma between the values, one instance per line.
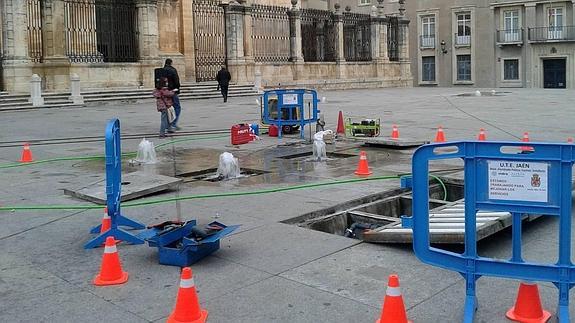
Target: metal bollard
x=36, y=91
x=76, y=97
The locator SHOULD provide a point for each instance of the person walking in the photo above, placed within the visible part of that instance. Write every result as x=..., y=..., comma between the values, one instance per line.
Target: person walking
x=224, y=77
x=164, y=100
x=174, y=85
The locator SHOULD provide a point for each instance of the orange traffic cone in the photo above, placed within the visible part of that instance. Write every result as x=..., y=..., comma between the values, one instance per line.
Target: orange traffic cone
x=26, y=154
x=481, y=136
x=340, y=126
x=362, y=166
x=106, y=221
x=393, y=310
x=526, y=139
x=528, y=305
x=440, y=136
x=187, y=304
x=111, y=272
x=395, y=133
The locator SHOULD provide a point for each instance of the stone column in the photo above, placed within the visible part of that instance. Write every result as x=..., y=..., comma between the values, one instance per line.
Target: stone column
x=339, y=49
x=296, y=54
x=234, y=12
x=403, y=40
x=57, y=64
x=248, y=31
x=530, y=21
x=15, y=63
x=375, y=35
x=188, y=40
x=251, y=72
x=36, y=91
x=148, y=40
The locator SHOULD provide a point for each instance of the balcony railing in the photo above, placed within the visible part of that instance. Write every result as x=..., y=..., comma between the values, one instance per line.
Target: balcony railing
x=552, y=33
x=427, y=41
x=510, y=36
x=462, y=40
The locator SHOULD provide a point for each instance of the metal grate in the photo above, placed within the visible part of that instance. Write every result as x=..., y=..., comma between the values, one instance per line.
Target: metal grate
x=101, y=31
x=393, y=39
x=271, y=34
x=117, y=30
x=209, y=38
x=34, y=16
x=356, y=37
x=319, y=35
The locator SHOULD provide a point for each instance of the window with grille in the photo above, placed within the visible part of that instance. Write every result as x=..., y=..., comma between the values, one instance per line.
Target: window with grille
x=428, y=69
x=464, y=67
x=511, y=69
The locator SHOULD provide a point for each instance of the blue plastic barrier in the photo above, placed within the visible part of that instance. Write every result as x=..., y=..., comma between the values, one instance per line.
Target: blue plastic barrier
x=114, y=192
x=290, y=109
x=536, y=183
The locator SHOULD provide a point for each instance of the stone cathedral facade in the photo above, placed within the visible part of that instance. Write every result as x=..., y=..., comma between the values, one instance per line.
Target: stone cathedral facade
x=118, y=43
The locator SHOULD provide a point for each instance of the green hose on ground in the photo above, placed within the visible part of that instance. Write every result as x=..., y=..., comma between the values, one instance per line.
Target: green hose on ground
x=97, y=157
x=213, y=195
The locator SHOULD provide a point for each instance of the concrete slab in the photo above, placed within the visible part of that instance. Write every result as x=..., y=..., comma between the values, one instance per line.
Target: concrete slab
x=280, y=300
x=279, y=247
x=134, y=185
x=361, y=272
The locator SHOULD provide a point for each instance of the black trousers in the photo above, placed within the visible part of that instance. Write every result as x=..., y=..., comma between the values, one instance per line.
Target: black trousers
x=224, y=90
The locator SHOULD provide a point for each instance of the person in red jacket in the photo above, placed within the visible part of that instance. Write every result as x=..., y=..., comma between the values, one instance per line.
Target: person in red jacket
x=163, y=101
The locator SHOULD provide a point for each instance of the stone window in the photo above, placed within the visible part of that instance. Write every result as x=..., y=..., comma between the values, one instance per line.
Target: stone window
x=428, y=69
x=463, y=28
x=464, y=67
x=511, y=70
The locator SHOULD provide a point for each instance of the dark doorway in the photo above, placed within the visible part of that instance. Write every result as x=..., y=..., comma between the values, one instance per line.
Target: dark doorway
x=554, y=74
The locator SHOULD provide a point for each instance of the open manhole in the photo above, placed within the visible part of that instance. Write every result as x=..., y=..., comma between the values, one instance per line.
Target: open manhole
x=331, y=155
x=210, y=175
x=356, y=218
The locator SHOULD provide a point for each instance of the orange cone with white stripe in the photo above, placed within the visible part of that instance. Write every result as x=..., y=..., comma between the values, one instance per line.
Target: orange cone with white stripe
x=440, y=135
x=187, y=308
x=111, y=272
x=26, y=154
x=106, y=221
x=362, y=166
x=481, y=136
x=393, y=308
x=526, y=139
x=528, y=307
x=395, y=133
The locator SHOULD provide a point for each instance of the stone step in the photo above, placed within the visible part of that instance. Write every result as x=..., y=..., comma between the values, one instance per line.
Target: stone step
x=64, y=103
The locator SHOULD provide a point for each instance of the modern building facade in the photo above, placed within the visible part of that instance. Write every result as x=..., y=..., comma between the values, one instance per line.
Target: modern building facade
x=482, y=43
x=118, y=43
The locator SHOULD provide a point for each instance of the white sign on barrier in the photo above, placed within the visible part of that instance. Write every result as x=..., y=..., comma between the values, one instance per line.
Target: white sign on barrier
x=518, y=181
x=290, y=99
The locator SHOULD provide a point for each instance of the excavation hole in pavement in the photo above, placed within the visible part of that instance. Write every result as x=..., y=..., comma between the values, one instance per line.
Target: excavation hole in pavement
x=352, y=219
x=210, y=175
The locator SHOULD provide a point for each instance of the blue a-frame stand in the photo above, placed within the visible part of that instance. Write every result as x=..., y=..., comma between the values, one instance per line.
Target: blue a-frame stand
x=114, y=193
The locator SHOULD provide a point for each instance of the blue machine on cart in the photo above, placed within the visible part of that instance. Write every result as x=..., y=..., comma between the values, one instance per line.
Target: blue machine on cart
x=499, y=179
x=289, y=109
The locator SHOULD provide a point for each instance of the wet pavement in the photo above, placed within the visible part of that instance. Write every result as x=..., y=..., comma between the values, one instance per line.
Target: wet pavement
x=268, y=271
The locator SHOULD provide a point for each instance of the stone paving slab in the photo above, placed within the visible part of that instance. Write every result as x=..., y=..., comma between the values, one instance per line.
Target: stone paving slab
x=279, y=247
x=280, y=300
x=361, y=272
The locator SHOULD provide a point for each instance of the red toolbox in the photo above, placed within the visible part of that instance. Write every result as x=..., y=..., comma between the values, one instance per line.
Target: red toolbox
x=241, y=134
